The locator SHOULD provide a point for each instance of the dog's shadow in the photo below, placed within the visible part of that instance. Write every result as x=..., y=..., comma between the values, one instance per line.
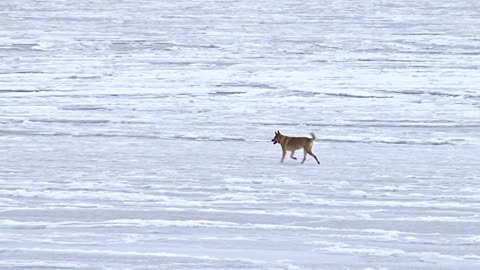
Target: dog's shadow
x=291, y=164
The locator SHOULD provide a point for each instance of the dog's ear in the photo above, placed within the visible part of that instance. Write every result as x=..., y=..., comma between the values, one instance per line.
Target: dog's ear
x=278, y=132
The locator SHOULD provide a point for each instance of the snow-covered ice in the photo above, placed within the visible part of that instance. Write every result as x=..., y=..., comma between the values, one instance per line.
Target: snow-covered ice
x=136, y=134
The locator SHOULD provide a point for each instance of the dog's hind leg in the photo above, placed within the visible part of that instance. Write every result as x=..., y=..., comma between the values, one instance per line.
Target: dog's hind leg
x=291, y=155
x=309, y=151
x=304, y=155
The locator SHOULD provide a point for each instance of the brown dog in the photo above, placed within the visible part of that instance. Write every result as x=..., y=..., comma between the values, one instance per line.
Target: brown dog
x=295, y=143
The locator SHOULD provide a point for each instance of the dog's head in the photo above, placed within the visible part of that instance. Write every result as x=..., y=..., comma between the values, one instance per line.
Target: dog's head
x=276, y=139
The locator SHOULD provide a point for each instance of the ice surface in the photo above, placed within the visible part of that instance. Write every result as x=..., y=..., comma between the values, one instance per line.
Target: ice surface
x=136, y=134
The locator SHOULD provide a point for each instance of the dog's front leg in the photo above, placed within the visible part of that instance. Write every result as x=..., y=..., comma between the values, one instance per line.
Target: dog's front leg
x=291, y=155
x=284, y=152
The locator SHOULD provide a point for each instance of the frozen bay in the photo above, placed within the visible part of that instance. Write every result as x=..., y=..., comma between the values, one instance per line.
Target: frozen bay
x=136, y=134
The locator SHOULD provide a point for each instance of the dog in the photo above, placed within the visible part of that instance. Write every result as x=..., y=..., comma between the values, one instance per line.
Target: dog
x=294, y=143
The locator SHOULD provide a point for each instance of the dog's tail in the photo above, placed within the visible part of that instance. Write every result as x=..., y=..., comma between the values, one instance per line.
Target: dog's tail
x=313, y=136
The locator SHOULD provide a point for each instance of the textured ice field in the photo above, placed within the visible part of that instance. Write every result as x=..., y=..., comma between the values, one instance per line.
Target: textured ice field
x=136, y=134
